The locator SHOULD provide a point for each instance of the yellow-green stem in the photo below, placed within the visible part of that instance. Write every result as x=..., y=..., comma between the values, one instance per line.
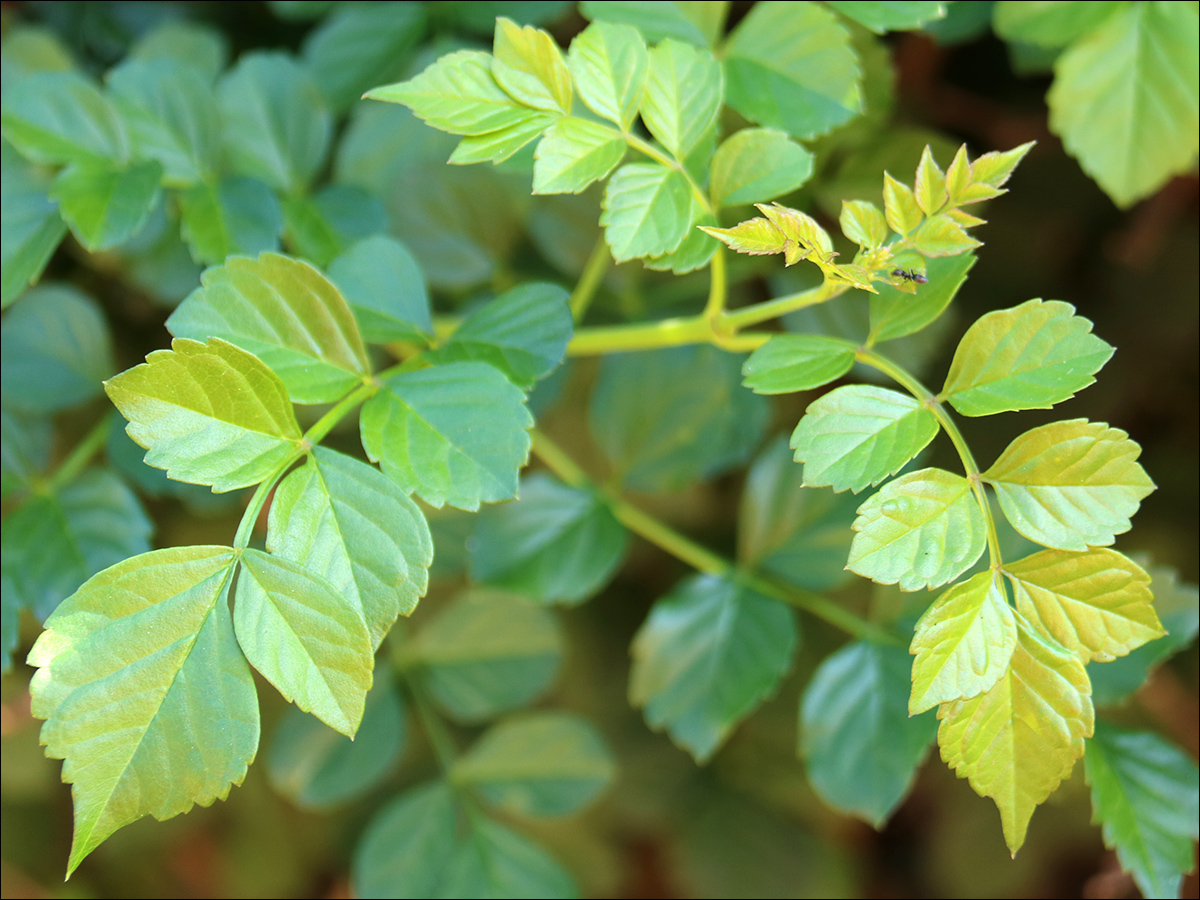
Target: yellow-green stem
x=81, y=455
x=590, y=280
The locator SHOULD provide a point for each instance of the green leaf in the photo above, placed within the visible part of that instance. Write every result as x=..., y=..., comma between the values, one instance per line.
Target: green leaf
x=208, y=414
x=55, y=542
x=172, y=117
x=800, y=534
x=31, y=225
x=494, y=861
x=1070, y=485
x=863, y=223
x=523, y=333
x=537, y=764
x=860, y=746
x=1055, y=23
x=235, y=215
x=921, y=530
x=24, y=449
x=1019, y=740
x=1125, y=99
x=497, y=146
x=287, y=314
x=1097, y=603
x=488, y=653
x=941, y=235
x=796, y=362
x=349, y=523
x=1028, y=357
x=895, y=313
x=647, y=210
x=900, y=206
x=1144, y=794
x=61, y=117
x=609, y=63
x=758, y=164
x=55, y=351
x=321, y=226
x=891, y=15
x=697, y=421
x=556, y=544
x=574, y=153
x=10, y=623
x=318, y=768
x=930, y=184
x=995, y=168
x=106, y=206
x=195, y=44
x=305, y=637
x=707, y=655
x=385, y=289
x=146, y=695
x=407, y=848
x=801, y=229
x=856, y=436
x=684, y=92
x=453, y=434
x=699, y=24
x=757, y=237
x=694, y=251
x=277, y=127
x=458, y=94
x=963, y=643
x=530, y=67
x=790, y=65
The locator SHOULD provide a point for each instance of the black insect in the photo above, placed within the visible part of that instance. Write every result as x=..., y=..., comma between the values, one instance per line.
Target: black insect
x=914, y=277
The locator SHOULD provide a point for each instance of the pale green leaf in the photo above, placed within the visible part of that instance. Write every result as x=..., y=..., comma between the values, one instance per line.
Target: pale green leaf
x=1070, y=485
x=55, y=542
x=494, y=861
x=856, y=436
x=349, y=523
x=458, y=94
x=530, y=67
x=609, y=63
x=537, y=764
x=758, y=164
x=1144, y=794
x=1096, y=603
x=305, y=637
x=1050, y=23
x=896, y=313
x=55, y=351
x=488, y=653
x=708, y=654
x=860, y=746
x=61, y=117
x=696, y=421
x=106, y=206
x=863, y=223
x=455, y=433
x=287, y=314
x=385, y=289
x=276, y=125
x=963, y=643
x=146, y=694
x=30, y=223
x=900, y=206
x=930, y=184
x=797, y=362
x=696, y=23
x=407, y=847
x=556, y=543
x=995, y=168
x=757, y=237
x=919, y=531
x=497, y=146
x=790, y=65
x=574, y=153
x=647, y=210
x=317, y=768
x=891, y=15
x=684, y=92
x=942, y=235
x=172, y=117
x=1126, y=99
x=208, y=414
x=1019, y=740
x=234, y=215
x=523, y=333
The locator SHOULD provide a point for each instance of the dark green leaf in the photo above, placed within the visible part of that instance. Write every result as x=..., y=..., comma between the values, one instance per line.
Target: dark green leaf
x=895, y=313
x=106, y=206
x=609, y=64
x=24, y=449
x=557, y=543
x=709, y=653
x=61, y=117
x=30, y=222
x=385, y=289
x=574, y=153
x=861, y=747
x=407, y=848
x=494, y=861
x=797, y=362
x=684, y=93
x=891, y=15
x=322, y=226
x=235, y=215
x=758, y=164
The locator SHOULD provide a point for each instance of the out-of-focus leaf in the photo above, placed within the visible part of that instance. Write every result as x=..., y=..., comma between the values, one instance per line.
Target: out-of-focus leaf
x=235, y=215
x=194, y=44
x=494, y=861
x=895, y=313
x=322, y=226
x=24, y=449
x=106, y=206
x=695, y=23
x=609, y=63
x=758, y=164
x=383, y=285
x=31, y=224
x=407, y=848
x=61, y=117
x=891, y=15
x=1050, y=24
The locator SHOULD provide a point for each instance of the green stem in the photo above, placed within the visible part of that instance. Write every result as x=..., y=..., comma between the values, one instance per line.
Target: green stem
x=771, y=309
x=641, y=336
x=714, y=310
x=81, y=455
x=590, y=279
x=339, y=410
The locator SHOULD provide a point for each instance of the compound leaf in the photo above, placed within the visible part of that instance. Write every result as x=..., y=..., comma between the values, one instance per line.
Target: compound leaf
x=385, y=289
x=455, y=433
x=408, y=846
x=62, y=117
x=574, y=153
x=610, y=64
x=104, y=205
x=208, y=414
x=797, y=362
x=1028, y=357
x=146, y=694
x=530, y=67
x=895, y=313
x=856, y=436
x=234, y=215
x=684, y=92
x=1070, y=485
x=287, y=314
x=708, y=654
x=920, y=530
x=758, y=164
x=647, y=210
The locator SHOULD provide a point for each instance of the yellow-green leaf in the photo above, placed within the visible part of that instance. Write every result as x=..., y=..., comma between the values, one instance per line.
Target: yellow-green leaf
x=530, y=67
x=757, y=237
x=609, y=63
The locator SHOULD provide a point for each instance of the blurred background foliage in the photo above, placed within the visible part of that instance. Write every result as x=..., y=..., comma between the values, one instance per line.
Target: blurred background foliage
x=748, y=824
